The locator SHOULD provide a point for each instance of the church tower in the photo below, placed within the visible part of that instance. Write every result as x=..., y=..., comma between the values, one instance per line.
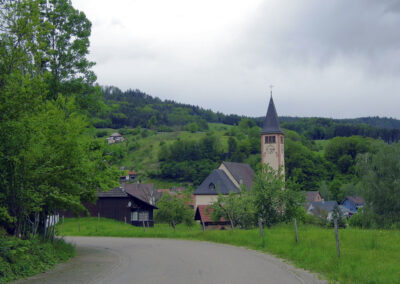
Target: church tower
x=272, y=140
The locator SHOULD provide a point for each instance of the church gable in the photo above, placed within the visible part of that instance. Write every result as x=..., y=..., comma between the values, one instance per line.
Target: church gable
x=217, y=182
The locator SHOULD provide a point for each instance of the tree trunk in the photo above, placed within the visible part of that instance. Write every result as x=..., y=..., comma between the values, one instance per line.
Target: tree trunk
x=231, y=221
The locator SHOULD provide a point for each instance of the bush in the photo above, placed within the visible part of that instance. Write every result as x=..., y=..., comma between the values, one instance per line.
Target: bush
x=101, y=133
x=23, y=258
x=314, y=220
x=164, y=128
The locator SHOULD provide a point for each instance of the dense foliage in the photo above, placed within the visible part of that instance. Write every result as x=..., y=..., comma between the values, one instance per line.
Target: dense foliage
x=380, y=177
x=174, y=209
x=326, y=128
x=190, y=160
x=23, y=258
x=134, y=108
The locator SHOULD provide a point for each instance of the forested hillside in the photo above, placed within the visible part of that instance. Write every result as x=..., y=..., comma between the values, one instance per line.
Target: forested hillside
x=134, y=108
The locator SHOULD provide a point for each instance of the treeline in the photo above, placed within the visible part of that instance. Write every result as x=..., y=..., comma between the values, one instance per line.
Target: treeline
x=134, y=108
x=325, y=128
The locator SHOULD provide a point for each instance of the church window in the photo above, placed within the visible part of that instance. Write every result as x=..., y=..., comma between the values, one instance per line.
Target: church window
x=211, y=186
x=281, y=139
x=270, y=140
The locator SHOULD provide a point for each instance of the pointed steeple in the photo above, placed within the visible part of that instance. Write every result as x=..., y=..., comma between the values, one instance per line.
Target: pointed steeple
x=271, y=122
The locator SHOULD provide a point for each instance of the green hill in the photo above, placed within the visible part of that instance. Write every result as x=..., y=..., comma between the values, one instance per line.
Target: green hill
x=134, y=108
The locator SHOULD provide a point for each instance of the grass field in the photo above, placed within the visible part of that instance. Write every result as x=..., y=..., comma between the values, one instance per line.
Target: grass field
x=368, y=256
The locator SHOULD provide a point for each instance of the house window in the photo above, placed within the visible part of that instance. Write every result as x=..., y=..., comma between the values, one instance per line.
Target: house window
x=134, y=216
x=270, y=139
x=211, y=186
x=143, y=215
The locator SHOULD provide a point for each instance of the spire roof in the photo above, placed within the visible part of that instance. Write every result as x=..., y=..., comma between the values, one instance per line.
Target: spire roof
x=271, y=122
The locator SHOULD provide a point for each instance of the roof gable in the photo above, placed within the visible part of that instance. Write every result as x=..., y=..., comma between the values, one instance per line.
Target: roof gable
x=312, y=196
x=271, y=122
x=216, y=182
x=241, y=173
x=143, y=191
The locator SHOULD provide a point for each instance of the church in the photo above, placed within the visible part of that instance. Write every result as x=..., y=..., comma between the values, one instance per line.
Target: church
x=230, y=176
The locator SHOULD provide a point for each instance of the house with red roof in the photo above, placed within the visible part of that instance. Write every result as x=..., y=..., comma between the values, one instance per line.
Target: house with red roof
x=204, y=215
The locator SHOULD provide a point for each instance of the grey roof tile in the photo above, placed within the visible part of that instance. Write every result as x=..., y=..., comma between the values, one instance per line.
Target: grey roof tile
x=222, y=184
x=115, y=192
x=241, y=171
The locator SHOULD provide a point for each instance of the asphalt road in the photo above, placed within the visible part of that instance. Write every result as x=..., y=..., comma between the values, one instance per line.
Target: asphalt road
x=129, y=260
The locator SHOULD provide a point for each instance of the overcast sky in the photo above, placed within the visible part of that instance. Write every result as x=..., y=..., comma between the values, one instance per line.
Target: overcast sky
x=336, y=58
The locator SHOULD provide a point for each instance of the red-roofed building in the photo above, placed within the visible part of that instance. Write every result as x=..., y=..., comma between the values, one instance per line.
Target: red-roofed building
x=204, y=215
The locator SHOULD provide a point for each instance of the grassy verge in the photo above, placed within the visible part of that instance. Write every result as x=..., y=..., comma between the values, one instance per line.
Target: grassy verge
x=23, y=258
x=368, y=256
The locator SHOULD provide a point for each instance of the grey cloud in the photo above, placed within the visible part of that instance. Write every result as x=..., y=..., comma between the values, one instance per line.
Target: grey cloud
x=319, y=31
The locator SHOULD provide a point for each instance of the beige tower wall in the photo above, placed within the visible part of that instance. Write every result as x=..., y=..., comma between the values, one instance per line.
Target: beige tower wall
x=273, y=154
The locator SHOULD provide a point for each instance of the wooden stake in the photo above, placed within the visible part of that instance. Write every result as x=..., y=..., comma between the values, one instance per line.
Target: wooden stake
x=295, y=230
x=335, y=221
x=260, y=225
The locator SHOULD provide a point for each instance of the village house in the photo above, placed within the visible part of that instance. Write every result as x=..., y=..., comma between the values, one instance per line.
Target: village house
x=311, y=196
x=322, y=209
x=353, y=203
x=130, y=203
x=115, y=138
x=204, y=215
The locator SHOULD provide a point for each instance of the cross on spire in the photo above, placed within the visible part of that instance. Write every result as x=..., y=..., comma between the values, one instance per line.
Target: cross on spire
x=271, y=86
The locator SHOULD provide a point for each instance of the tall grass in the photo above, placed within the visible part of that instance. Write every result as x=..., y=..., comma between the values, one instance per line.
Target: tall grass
x=368, y=256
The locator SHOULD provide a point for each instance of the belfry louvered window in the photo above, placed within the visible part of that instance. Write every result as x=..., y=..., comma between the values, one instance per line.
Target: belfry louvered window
x=270, y=139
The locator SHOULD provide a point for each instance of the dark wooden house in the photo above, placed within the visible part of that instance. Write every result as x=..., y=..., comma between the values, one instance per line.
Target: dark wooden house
x=122, y=205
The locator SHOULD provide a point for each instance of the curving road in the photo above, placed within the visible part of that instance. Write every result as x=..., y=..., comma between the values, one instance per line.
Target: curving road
x=129, y=260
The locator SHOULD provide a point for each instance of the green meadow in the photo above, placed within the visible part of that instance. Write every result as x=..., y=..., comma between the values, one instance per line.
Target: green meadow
x=367, y=256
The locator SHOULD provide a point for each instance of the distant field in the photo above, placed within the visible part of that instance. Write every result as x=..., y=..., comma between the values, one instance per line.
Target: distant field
x=368, y=256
